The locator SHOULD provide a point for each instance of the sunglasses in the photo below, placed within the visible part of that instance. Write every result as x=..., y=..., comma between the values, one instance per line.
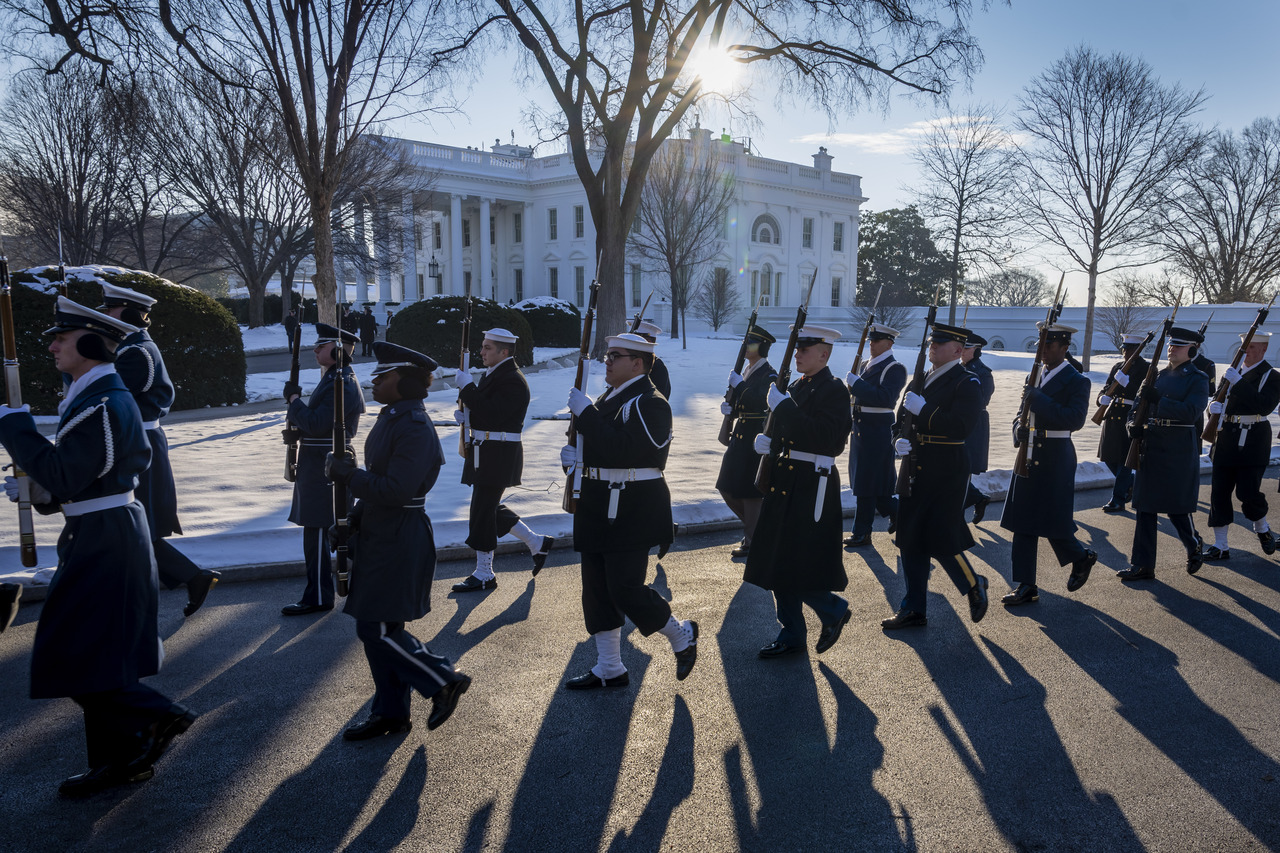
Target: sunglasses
x=612, y=356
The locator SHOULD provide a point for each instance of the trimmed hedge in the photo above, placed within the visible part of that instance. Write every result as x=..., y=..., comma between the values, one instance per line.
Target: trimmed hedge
x=555, y=322
x=272, y=307
x=434, y=327
x=201, y=344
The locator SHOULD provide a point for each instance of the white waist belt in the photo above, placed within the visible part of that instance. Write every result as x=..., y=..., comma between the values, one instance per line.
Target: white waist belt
x=1244, y=419
x=871, y=410
x=821, y=464
x=151, y=424
x=477, y=436
x=618, y=479
x=71, y=509
x=1054, y=433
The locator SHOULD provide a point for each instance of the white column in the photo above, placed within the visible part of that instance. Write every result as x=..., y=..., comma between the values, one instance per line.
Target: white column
x=526, y=234
x=409, y=257
x=455, y=245
x=486, y=284
x=382, y=248
x=362, y=241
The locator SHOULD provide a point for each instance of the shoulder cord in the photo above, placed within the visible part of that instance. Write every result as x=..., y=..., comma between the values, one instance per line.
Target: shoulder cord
x=151, y=364
x=626, y=415
x=106, y=432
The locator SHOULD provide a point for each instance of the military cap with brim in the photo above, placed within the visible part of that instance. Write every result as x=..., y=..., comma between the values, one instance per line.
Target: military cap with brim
x=810, y=335
x=114, y=296
x=1181, y=337
x=69, y=316
x=326, y=334
x=630, y=341
x=760, y=335
x=881, y=332
x=974, y=341
x=1059, y=333
x=1133, y=340
x=395, y=357
x=944, y=334
x=647, y=327
x=501, y=336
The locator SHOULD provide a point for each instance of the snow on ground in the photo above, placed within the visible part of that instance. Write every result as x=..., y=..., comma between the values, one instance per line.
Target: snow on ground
x=234, y=501
x=266, y=338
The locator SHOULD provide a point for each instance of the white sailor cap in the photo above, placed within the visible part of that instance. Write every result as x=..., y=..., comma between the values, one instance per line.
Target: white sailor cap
x=630, y=341
x=810, y=335
x=1132, y=340
x=69, y=316
x=501, y=336
x=880, y=332
x=113, y=295
x=1258, y=336
x=648, y=327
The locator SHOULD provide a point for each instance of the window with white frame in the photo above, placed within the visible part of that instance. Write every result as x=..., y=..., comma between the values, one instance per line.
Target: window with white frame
x=580, y=285
x=493, y=231
x=553, y=229
x=765, y=230
x=466, y=232
x=519, y=282
x=806, y=233
x=437, y=238
x=836, y=281
x=517, y=228
x=837, y=237
x=553, y=282
x=579, y=221
x=635, y=285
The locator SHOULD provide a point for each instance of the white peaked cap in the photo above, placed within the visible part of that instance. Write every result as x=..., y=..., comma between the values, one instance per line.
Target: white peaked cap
x=630, y=341
x=827, y=335
x=501, y=336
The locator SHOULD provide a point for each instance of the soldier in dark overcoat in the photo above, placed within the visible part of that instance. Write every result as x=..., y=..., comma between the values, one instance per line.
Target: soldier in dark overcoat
x=1168, y=475
x=313, y=491
x=97, y=634
x=1113, y=446
x=929, y=526
x=978, y=444
x=796, y=552
x=394, y=551
x=625, y=509
x=1042, y=504
x=1205, y=365
x=493, y=410
x=1242, y=450
x=658, y=375
x=748, y=408
x=141, y=368
x=875, y=391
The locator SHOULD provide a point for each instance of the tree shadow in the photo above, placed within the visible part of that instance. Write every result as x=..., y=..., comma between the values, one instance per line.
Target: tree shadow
x=673, y=785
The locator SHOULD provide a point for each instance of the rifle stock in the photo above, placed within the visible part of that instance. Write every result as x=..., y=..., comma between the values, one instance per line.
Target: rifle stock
x=573, y=481
x=764, y=473
x=13, y=399
x=1214, y=422
x=1113, y=390
x=464, y=365
x=291, y=434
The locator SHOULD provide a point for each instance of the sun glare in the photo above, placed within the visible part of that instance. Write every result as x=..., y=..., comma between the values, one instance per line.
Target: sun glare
x=717, y=69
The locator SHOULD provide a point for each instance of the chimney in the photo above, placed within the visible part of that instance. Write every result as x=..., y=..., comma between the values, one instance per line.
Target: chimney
x=822, y=160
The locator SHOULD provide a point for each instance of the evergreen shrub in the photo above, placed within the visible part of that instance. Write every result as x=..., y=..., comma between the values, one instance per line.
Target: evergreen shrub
x=555, y=322
x=434, y=327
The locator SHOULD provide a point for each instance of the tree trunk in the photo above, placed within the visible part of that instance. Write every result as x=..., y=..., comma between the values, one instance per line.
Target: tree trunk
x=675, y=304
x=324, y=280
x=684, y=337
x=955, y=277
x=257, y=292
x=1087, y=349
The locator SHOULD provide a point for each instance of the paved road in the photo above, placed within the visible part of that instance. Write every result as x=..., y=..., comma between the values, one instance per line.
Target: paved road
x=1117, y=718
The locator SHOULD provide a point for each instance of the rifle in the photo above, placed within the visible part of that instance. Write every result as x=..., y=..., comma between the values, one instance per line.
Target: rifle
x=464, y=365
x=765, y=472
x=906, y=470
x=1115, y=388
x=726, y=426
x=1026, y=420
x=13, y=399
x=1214, y=423
x=866, y=330
x=1204, y=327
x=62, y=267
x=573, y=485
x=636, y=320
x=291, y=433
x=342, y=522
x=1134, y=459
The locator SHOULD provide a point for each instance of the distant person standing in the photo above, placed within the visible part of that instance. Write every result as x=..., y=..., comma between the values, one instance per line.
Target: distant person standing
x=368, y=331
x=872, y=476
x=748, y=407
x=290, y=325
x=1113, y=446
x=978, y=444
x=390, y=314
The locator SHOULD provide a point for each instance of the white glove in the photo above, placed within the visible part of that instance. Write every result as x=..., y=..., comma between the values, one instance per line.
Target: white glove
x=1122, y=378
x=39, y=494
x=5, y=411
x=761, y=444
x=568, y=456
x=776, y=397
x=1231, y=375
x=578, y=401
x=914, y=402
x=726, y=409
x=902, y=447
x=1104, y=400
x=1215, y=408
x=464, y=379
x=11, y=488
x=459, y=416
x=850, y=378
x=734, y=378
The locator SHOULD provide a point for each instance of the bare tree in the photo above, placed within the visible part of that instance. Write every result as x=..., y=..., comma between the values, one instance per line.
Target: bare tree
x=717, y=300
x=1127, y=308
x=1105, y=136
x=968, y=193
x=894, y=316
x=1221, y=221
x=1011, y=288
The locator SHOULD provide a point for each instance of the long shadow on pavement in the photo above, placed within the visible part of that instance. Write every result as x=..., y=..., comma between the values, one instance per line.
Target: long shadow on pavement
x=673, y=785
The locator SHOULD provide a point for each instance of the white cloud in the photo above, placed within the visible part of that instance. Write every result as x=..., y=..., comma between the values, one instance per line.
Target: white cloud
x=892, y=142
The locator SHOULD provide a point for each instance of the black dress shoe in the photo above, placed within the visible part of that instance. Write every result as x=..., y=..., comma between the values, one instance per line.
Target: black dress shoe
x=1194, y=561
x=686, y=658
x=777, y=649
x=377, y=726
x=301, y=609
x=742, y=550
x=1112, y=506
x=446, y=699
x=1024, y=594
x=831, y=633
x=893, y=521
x=1136, y=573
x=904, y=618
x=1214, y=554
x=9, y=595
x=1268, y=540
x=174, y=722
x=590, y=681
x=100, y=779
x=857, y=540
x=978, y=600
x=474, y=584
x=540, y=557
x=198, y=590
x=1080, y=570
x=980, y=508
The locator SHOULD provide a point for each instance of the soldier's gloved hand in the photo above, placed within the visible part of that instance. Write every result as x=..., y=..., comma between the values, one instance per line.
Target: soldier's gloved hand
x=902, y=447
x=291, y=390
x=726, y=409
x=11, y=488
x=1122, y=378
x=459, y=416
x=1231, y=375
x=761, y=444
x=1215, y=408
x=913, y=402
x=463, y=379
x=578, y=401
x=776, y=397
x=734, y=378
x=1150, y=394
x=1021, y=436
x=339, y=468
x=568, y=456
x=5, y=411
x=1104, y=400
x=850, y=378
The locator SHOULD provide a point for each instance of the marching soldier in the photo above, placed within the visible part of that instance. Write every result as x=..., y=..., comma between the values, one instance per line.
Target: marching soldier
x=1113, y=447
x=1042, y=503
x=796, y=550
x=141, y=368
x=1243, y=448
x=978, y=444
x=625, y=510
x=394, y=549
x=659, y=375
x=737, y=480
x=495, y=457
x=97, y=634
x=875, y=399
x=312, y=491
x=929, y=528
x=1168, y=476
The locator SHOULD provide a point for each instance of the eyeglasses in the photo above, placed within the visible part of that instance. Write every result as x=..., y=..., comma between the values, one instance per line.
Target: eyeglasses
x=612, y=355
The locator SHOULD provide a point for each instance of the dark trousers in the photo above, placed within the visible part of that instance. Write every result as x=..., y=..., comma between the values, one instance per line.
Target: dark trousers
x=1124, y=483
x=915, y=570
x=116, y=722
x=865, y=514
x=828, y=607
x=972, y=496
x=315, y=552
x=174, y=567
x=1246, y=480
x=400, y=663
x=1066, y=549
x=613, y=590
x=1144, y=538
x=490, y=519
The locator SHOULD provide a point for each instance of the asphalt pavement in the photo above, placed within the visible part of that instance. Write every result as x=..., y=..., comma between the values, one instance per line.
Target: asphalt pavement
x=1121, y=717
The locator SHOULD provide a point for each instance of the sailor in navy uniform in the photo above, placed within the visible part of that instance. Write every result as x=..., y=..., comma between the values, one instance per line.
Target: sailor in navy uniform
x=796, y=553
x=1168, y=475
x=978, y=444
x=494, y=459
x=875, y=391
x=141, y=368
x=659, y=375
x=1042, y=504
x=1113, y=447
x=312, y=491
x=624, y=510
x=394, y=551
x=747, y=407
x=97, y=634
x=1243, y=447
x=929, y=528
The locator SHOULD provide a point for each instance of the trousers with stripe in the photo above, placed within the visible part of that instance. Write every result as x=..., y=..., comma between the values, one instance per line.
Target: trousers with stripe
x=400, y=663
x=315, y=553
x=915, y=569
